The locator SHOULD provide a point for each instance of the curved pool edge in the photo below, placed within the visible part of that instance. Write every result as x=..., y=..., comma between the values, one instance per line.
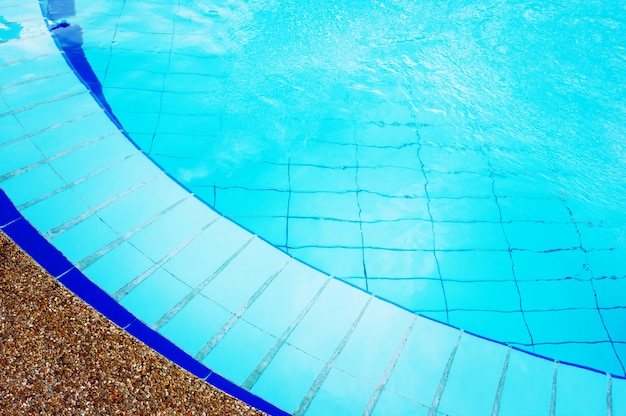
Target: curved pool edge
x=15, y=226
x=45, y=253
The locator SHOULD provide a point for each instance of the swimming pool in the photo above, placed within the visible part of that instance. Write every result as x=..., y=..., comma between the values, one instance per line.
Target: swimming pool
x=423, y=166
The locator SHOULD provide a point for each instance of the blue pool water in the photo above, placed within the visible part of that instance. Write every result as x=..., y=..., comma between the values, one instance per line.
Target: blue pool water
x=464, y=161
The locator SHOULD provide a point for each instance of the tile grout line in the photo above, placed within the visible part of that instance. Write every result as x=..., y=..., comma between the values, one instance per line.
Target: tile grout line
x=317, y=384
x=434, y=408
x=498, y=398
x=128, y=287
x=382, y=383
x=251, y=380
x=54, y=232
x=221, y=333
x=72, y=184
x=46, y=160
x=159, y=323
x=92, y=258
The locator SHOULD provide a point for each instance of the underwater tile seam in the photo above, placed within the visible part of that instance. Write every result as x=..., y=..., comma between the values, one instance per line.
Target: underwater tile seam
x=324, y=390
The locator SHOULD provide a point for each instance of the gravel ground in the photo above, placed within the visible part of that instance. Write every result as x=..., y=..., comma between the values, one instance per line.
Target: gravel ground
x=59, y=356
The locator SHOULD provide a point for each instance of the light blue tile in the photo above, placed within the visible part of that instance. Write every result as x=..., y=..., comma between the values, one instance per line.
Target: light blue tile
x=421, y=295
x=614, y=321
x=580, y=392
x=340, y=394
x=18, y=155
x=386, y=135
x=54, y=211
x=312, y=178
x=214, y=246
x=313, y=232
x=581, y=325
x=531, y=209
x=255, y=175
x=607, y=263
x=32, y=184
x=116, y=179
x=376, y=207
x=466, y=236
x=289, y=364
x=400, y=264
x=450, y=159
x=285, y=298
x=527, y=388
x=602, y=236
x=38, y=67
x=400, y=182
x=188, y=125
x=118, y=267
x=134, y=209
x=421, y=364
x=475, y=265
x=537, y=236
x=491, y=296
x=502, y=326
x=333, y=315
x=552, y=265
x=38, y=91
x=325, y=153
x=56, y=112
x=400, y=234
x=172, y=229
x=10, y=127
x=195, y=324
x=324, y=205
x=464, y=209
x=338, y=262
x=155, y=296
x=397, y=157
x=458, y=185
x=239, y=352
x=238, y=202
x=84, y=238
x=618, y=387
x=478, y=361
x=610, y=292
x=234, y=286
x=382, y=322
x=68, y=135
x=557, y=294
x=523, y=185
x=72, y=166
x=394, y=404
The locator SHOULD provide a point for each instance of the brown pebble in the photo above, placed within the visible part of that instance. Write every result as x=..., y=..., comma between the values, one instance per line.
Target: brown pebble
x=60, y=356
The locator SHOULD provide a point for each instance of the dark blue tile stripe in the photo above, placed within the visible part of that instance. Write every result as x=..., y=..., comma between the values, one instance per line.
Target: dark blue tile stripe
x=28, y=238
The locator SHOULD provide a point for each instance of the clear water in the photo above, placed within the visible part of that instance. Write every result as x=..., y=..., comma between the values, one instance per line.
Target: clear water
x=464, y=160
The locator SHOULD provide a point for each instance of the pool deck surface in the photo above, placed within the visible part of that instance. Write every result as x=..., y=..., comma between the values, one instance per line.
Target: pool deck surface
x=59, y=356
